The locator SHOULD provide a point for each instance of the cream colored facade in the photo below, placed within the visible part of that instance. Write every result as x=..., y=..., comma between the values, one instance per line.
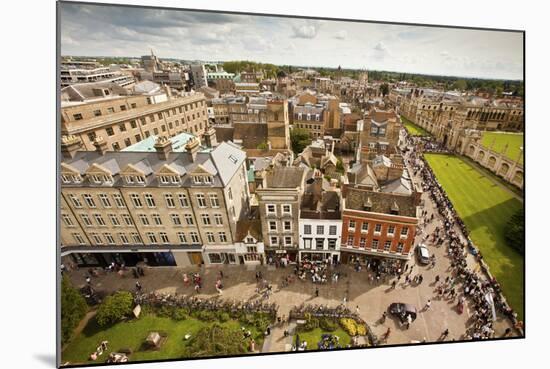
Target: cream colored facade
x=124, y=121
x=174, y=216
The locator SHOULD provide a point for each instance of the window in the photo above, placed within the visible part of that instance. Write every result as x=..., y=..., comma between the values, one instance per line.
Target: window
x=387, y=245
x=273, y=226
x=352, y=224
x=188, y=219
x=133, y=124
x=286, y=209
x=149, y=200
x=332, y=230
x=99, y=220
x=218, y=219
x=114, y=220
x=169, y=200
x=123, y=107
x=400, y=247
x=362, y=242
x=110, y=131
x=307, y=243
x=118, y=200
x=136, y=200
x=181, y=237
x=152, y=238
x=123, y=238
x=111, y=110
x=320, y=229
x=65, y=179
x=78, y=238
x=110, y=239
x=144, y=219
x=350, y=240
x=210, y=237
x=77, y=116
x=96, y=238
x=374, y=244
x=104, y=198
x=194, y=237
x=201, y=200
x=205, y=219
x=67, y=220
x=127, y=219
x=89, y=200
x=176, y=219
x=287, y=226
x=215, y=258
x=184, y=202
x=404, y=232
x=274, y=241
x=319, y=243
x=391, y=230
x=164, y=238
x=223, y=237
x=377, y=228
x=288, y=241
x=157, y=219
x=76, y=201
x=307, y=229
x=97, y=113
x=214, y=201
x=230, y=194
x=365, y=227
x=332, y=243
x=270, y=209
x=136, y=237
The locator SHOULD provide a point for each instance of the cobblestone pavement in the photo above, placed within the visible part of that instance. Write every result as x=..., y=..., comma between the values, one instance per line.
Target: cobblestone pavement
x=371, y=298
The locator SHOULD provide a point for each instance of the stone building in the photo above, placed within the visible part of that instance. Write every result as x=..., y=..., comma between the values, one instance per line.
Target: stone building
x=124, y=118
x=279, y=201
x=163, y=207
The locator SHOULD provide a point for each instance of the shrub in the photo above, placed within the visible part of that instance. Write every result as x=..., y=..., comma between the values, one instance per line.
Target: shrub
x=216, y=340
x=223, y=317
x=328, y=325
x=180, y=314
x=115, y=308
x=73, y=309
x=309, y=325
x=206, y=316
x=515, y=231
x=352, y=327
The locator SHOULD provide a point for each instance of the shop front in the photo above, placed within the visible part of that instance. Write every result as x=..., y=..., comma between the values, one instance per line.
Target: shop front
x=219, y=255
x=322, y=255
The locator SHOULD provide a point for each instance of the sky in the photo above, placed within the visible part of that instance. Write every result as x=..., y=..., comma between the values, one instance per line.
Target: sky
x=97, y=30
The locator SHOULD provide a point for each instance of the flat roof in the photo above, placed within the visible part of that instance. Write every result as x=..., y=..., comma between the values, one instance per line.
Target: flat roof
x=148, y=144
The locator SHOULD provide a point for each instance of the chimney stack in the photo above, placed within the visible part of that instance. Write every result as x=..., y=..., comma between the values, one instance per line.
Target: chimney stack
x=70, y=145
x=163, y=147
x=209, y=138
x=317, y=187
x=192, y=147
x=100, y=145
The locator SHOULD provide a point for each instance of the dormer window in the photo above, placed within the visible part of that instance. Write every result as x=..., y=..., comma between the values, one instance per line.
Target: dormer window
x=140, y=179
x=249, y=240
x=96, y=179
x=202, y=179
x=167, y=180
x=130, y=180
x=66, y=178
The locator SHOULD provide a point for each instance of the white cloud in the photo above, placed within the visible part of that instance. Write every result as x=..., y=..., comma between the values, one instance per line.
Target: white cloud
x=381, y=47
x=307, y=30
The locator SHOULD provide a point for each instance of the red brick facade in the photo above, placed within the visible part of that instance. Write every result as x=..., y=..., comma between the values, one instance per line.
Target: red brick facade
x=400, y=244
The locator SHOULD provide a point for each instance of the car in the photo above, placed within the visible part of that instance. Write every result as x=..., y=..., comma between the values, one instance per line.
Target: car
x=423, y=254
x=402, y=310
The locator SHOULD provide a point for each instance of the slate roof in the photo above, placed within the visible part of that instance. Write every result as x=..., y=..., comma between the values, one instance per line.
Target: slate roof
x=285, y=177
x=381, y=202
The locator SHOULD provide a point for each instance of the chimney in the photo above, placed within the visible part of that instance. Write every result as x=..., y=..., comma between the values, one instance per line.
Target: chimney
x=69, y=146
x=100, y=145
x=168, y=91
x=317, y=187
x=163, y=147
x=209, y=138
x=192, y=147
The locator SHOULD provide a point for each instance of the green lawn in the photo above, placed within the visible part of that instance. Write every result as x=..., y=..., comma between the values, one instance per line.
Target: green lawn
x=413, y=129
x=501, y=139
x=132, y=334
x=314, y=336
x=485, y=208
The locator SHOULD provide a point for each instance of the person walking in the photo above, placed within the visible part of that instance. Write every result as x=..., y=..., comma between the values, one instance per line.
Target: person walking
x=316, y=291
x=357, y=309
x=138, y=286
x=445, y=334
x=409, y=320
x=428, y=305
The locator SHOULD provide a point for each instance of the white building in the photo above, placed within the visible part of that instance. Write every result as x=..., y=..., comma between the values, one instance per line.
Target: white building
x=320, y=223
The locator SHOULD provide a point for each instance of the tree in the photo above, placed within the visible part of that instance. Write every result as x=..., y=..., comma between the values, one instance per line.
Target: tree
x=262, y=146
x=217, y=340
x=384, y=89
x=299, y=139
x=515, y=231
x=115, y=308
x=73, y=309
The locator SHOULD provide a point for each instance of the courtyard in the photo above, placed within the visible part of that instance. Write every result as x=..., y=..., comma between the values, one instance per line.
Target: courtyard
x=498, y=140
x=413, y=129
x=485, y=206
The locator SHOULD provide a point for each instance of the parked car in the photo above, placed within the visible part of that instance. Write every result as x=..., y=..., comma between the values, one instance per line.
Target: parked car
x=423, y=254
x=402, y=310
